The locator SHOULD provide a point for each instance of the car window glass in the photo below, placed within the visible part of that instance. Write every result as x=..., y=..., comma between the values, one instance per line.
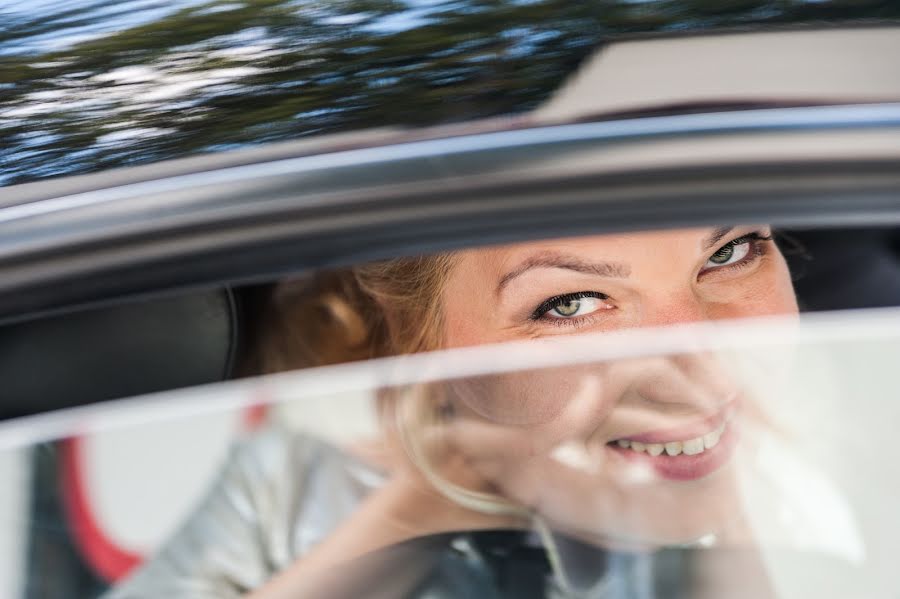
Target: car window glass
x=632, y=411
x=730, y=453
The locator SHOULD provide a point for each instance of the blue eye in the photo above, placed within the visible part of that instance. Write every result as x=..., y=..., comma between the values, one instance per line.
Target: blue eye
x=736, y=251
x=571, y=305
x=574, y=307
x=731, y=252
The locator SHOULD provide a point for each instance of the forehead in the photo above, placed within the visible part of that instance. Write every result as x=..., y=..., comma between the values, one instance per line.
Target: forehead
x=618, y=247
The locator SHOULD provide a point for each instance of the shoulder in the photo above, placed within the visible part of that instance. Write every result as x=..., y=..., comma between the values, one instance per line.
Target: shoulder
x=279, y=493
x=276, y=457
x=294, y=490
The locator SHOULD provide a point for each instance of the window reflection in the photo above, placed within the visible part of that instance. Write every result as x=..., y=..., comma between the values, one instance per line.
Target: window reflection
x=495, y=420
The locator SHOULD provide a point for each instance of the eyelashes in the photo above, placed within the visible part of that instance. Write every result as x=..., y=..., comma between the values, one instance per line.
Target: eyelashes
x=757, y=248
x=561, y=300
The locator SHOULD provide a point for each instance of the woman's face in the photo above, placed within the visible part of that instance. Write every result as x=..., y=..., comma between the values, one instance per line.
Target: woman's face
x=669, y=416
x=612, y=282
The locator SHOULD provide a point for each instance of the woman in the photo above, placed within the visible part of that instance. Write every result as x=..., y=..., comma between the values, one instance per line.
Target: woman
x=288, y=509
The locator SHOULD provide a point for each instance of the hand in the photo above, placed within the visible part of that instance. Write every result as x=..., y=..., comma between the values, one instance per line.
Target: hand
x=560, y=467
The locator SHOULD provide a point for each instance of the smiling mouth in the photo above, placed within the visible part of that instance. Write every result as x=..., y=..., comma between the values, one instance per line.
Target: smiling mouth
x=694, y=446
x=688, y=458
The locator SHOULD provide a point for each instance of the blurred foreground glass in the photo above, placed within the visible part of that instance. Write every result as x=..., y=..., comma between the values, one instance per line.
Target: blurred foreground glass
x=713, y=460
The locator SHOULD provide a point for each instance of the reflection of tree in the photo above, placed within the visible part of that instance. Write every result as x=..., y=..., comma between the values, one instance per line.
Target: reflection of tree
x=227, y=73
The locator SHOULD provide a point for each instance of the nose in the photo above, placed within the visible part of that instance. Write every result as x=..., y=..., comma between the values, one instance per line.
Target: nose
x=687, y=383
x=696, y=379
x=675, y=307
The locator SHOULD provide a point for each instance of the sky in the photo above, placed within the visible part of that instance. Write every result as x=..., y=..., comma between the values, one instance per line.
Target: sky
x=103, y=16
x=95, y=18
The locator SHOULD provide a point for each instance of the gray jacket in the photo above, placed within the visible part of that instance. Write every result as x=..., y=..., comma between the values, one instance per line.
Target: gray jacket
x=280, y=494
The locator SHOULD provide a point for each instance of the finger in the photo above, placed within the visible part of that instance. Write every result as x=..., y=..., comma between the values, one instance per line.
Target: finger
x=480, y=438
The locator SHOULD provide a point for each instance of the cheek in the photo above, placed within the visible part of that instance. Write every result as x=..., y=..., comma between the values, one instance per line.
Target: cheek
x=519, y=399
x=468, y=319
x=552, y=405
x=778, y=292
x=460, y=331
x=468, y=323
x=769, y=292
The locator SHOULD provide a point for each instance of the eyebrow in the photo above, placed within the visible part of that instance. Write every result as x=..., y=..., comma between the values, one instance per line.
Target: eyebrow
x=567, y=262
x=715, y=237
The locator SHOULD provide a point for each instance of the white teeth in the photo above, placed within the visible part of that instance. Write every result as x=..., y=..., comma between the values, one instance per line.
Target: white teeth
x=673, y=448
x=710, y=440
x=692, y=447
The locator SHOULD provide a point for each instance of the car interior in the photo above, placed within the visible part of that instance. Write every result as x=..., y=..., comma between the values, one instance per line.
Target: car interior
x=127, y=348
x=147, y=345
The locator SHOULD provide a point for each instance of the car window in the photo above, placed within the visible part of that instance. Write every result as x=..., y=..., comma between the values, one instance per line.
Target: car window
x=755, y=455
x=643, y=412
x=427, y=299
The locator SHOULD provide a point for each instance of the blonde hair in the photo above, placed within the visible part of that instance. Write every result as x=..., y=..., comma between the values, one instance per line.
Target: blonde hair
x=381, y=309
x=376, y=310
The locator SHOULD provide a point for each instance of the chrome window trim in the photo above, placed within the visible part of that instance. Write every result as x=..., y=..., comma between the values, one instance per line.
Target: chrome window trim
x=262, y=220
x=546, y=138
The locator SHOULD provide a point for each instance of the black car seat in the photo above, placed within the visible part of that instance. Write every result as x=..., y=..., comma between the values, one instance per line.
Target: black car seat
x=844, y=269
x=128, y=349
x=117, y=351
x=93, y=355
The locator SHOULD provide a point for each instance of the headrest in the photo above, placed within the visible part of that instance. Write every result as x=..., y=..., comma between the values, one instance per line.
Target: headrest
x=845, y=269
x=116, y=351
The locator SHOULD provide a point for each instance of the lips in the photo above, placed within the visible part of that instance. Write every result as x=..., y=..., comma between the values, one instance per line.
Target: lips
x=685, y=454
